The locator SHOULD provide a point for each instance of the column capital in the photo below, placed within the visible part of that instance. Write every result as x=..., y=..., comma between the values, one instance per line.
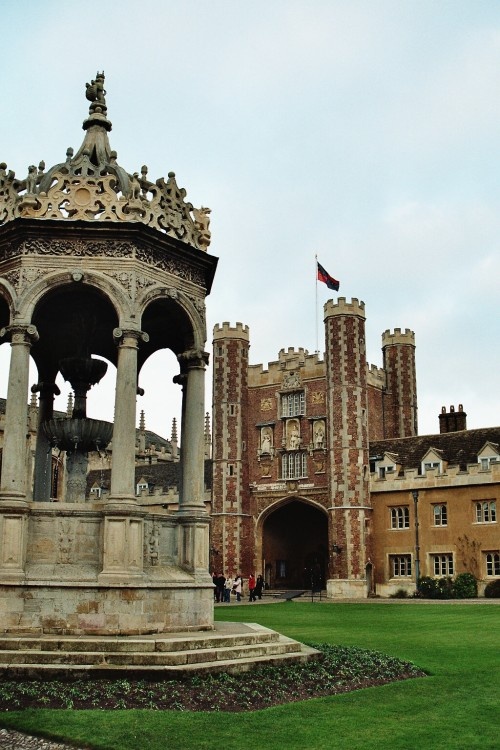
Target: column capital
x=45, y=389
x=193, y=358
x=120, y=334
x=20, y=334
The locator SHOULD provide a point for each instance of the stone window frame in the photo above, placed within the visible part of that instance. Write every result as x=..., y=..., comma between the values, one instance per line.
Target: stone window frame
x=440, y=514
x=400, y=517
x=443, y=563
x=492, y=563
x=293, y=404
x=485, y=511
x=400, y=565
x=430, y=465
x=297, y=462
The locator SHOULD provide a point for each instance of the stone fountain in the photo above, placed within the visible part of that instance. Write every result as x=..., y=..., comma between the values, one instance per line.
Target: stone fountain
x=78, y=434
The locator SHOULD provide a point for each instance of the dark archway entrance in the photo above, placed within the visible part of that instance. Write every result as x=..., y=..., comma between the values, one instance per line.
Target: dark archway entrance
x=295, y=547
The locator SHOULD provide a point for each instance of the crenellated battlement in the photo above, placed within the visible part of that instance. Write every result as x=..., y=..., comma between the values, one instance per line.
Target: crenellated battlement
x=453, y=476
x=376, y=376
x=310, y=366
x=226, y=331
x=388, y=338
x=297, y=356
x=342, y=307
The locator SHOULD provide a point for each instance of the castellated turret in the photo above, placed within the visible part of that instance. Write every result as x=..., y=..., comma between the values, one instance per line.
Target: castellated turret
x=230, y=535
x=346, y=384
x=400, y=397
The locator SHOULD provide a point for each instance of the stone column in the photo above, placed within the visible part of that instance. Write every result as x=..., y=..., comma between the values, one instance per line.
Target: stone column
x=123, y=519
x=13, y=503
x=13, y=480
x=123, y=459
x=193, y=516
x=193, y=433
x=43, y=456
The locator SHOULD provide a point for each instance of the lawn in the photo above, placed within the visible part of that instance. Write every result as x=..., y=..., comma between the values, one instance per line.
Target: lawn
x=455, y=708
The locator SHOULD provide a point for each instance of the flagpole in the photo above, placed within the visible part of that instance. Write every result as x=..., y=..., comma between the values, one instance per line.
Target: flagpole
x=316, y=277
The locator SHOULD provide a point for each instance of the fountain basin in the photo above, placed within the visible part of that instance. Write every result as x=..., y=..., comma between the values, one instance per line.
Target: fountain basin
x=75, y=434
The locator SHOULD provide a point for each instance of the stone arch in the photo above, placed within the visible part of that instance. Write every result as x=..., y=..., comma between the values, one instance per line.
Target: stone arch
x=72, y=320
x=7, y=302
x=31, y=297
x=175, y=305
x=171, y=322
x=5, y=315
x=292, y=538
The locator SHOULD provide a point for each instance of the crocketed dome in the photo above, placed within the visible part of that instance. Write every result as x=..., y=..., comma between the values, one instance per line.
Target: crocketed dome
x=91, y=186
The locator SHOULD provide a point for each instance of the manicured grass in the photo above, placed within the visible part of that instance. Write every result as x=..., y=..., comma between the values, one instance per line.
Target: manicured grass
x=456, y=708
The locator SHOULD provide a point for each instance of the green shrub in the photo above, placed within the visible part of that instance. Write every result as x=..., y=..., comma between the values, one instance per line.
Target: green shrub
x=445, y=588
x=435, y=588
x=399, y=594
x=427, y=588
x=464, y=586
x=492, y=590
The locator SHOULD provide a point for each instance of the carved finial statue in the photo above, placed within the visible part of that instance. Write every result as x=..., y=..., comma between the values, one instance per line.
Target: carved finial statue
x=31, y=179
x=135, y=187
x=95, y=93
x=202, y=222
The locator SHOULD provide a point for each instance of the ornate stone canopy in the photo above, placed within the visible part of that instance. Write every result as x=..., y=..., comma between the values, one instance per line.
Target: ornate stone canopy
x=99, y=266
x=92, y=186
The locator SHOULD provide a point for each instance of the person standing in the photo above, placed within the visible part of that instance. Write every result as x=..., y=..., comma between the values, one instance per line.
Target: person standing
x=220, y=584
x=228, y=587
x=259, y=586
x=238, y=587
x=214, y=581
x=251, y=587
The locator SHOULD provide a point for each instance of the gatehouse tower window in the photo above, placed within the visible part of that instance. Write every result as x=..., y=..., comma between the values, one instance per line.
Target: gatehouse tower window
x=293, y=404
x=294, y=465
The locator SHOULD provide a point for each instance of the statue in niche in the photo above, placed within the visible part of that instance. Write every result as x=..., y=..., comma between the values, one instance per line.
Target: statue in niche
x=266, y=440
x=319, y=434
x=293, y=436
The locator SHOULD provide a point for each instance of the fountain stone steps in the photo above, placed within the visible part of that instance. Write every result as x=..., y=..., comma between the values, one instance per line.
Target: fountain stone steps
x=231, y=647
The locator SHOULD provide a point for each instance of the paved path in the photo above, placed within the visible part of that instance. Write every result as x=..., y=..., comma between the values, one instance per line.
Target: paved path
x=11, y=740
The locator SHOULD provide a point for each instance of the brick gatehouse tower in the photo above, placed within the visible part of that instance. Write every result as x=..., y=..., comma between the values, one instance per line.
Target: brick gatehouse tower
x=291, y=495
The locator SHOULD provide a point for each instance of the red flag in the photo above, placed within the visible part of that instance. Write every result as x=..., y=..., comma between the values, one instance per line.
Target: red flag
x=325, y=277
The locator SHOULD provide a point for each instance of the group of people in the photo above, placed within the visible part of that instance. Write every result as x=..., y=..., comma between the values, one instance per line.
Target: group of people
x=224, y=587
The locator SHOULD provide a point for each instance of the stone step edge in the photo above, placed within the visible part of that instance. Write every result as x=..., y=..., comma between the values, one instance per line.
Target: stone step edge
x=139, y=658
x=148, y=645
x=232, y=666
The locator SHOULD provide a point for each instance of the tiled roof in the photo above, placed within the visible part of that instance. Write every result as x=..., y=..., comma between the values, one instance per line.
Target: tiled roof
x=164, y=475
x=457, y=448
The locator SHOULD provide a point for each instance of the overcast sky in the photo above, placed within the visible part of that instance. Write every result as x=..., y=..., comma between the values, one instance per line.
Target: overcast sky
x=364, y=131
